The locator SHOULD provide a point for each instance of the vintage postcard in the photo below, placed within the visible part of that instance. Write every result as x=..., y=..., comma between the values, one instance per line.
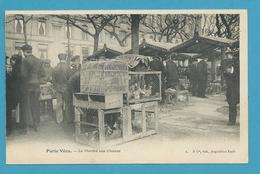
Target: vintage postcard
x=126, y=86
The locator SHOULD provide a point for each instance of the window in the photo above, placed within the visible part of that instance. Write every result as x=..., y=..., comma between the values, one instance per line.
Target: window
x=18, y=46
x=101, y=37
x=111, y=36
x=122, y=35
x=85, y=52
x=42, y=28
x=68, y=33
x=107, y=37
x=18, y=26
x=84, y=35
x=57, y=31
x=150, y=19
x=43, y=51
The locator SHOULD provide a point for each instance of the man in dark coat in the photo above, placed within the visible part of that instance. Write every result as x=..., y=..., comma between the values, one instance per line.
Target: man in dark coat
x=32, y=74
x=202, y=74
x=10, y=95
x=231, y=74
x=60, y=77
x=13, y=88
x=193, y=77
x=73, y=86
x=172, y=74
x=157, y=65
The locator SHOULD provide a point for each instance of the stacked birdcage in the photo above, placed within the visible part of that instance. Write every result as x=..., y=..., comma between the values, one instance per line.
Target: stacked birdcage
x=106, y=112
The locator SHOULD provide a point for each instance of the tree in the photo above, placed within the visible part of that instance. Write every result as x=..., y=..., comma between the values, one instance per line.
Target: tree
x=121, y=23
x=25, y=20
x=221, y=25
x=227, y=25
x=167, y=26
x=135, y=20
x=98, y=22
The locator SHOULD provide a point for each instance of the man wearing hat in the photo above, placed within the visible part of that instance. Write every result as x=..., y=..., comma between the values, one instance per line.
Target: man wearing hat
x=33, y=75
x=193, y=77
x=202, y=75
x=231, y=75
x=60, y=77
x=171, y=72
x=72, y=86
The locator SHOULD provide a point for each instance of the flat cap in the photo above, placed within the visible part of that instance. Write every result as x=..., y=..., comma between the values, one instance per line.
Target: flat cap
x=26, y=47
x=62, y=56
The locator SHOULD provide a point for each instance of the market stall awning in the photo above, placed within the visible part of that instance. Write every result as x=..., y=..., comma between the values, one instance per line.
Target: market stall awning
x=134, y=59
x=152, y=48
x=183, y=56
x=108, y=52
x=203, y=45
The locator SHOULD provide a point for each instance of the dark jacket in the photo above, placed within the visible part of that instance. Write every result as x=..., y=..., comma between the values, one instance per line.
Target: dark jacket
x=74, y=82
x=60, y=76
x=171, y=71
x=16, y=80
x=32, y=73
x=202, y=70
x=232, y=82
x=193, y=73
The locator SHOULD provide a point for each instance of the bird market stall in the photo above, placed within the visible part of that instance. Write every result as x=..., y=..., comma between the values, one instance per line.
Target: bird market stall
x=115, y=105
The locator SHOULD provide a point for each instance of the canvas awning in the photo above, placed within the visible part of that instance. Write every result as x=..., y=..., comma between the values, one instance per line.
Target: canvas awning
x=204, y=45
x=108, y=52
x=183, y=56
x=152, y=48
x=134, y=59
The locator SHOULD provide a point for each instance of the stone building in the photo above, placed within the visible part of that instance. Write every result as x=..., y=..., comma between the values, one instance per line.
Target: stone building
x=48, y=37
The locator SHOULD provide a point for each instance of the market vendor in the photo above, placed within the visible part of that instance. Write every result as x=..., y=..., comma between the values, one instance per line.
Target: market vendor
x=157, y=65
x=171, y=71
x=73, y=86
x=60, y=78
x=193, y=77
x=231, y=74
x=32, y=74
x=202, y=75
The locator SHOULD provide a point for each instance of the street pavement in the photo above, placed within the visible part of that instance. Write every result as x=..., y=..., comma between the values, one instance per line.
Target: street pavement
x=199, y=120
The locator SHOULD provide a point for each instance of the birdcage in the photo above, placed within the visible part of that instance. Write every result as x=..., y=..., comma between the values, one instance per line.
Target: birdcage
x=108, y=109
x=104, y=77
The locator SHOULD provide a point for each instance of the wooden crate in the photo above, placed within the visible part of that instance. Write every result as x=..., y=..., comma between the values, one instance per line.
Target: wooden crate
x=127, y=125
x=101, y=140
x=98, y=101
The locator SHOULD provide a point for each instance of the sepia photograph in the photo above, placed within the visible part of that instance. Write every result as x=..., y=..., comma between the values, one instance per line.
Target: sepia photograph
x=126, y=86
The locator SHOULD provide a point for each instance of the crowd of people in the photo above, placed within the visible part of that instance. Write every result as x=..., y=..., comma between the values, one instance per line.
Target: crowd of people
x=25, y=73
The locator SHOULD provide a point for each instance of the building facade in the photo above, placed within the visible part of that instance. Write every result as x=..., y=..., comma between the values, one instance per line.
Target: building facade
x=48, y=36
